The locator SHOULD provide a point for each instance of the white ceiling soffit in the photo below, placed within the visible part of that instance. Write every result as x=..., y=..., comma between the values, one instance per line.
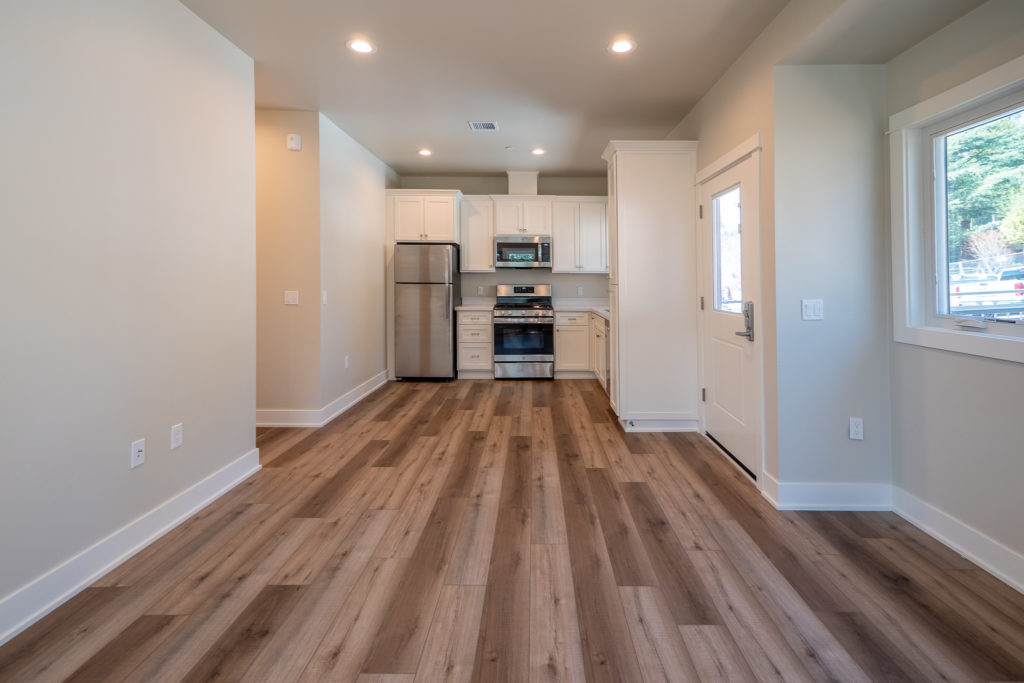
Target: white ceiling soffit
x=875, y=31
x=540, y=69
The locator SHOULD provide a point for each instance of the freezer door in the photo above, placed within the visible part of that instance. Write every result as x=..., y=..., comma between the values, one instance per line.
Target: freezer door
x=424, y=263
x=424, y=331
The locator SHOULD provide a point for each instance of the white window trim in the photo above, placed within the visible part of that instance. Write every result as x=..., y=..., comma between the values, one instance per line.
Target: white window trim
x=913, y=238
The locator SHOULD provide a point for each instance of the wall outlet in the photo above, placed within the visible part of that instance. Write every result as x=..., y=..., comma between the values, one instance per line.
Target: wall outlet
x=857, y=428
x=480, y=290
x=291, y=298
x=579, y=291
x=323, y=297
x=177, y=435
x=138, y=453
x=346, y=362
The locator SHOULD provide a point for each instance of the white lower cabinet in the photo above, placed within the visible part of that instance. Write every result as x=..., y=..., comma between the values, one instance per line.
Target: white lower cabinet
x=572, y=341
x=475, y=340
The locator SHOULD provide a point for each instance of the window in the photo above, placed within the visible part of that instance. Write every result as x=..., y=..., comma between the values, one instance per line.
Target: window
x=728, y=252
x=957, y=182
x=979, y=218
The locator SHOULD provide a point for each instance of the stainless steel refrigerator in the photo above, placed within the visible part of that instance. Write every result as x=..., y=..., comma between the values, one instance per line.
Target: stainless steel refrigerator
x=426, y=294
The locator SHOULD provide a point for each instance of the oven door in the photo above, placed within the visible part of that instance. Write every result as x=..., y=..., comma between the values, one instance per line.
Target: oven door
x=524, y=340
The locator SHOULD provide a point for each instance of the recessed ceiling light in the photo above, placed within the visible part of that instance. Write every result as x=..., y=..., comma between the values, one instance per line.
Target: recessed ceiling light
x=622, y=46
x=537, y=151
x=361, y=46
x=424, y=152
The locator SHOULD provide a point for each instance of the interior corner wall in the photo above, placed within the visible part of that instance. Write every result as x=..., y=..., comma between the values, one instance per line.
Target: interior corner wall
x=352, y=263
x=287, y=259
x=956, y=442
x=738, y=106
x=831, y=243
x=128, y=268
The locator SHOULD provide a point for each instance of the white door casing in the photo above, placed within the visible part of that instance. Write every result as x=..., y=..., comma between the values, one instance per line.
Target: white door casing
x=731, y=364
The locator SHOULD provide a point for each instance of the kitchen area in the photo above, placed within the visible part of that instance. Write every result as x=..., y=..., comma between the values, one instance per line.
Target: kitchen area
x=532, y=286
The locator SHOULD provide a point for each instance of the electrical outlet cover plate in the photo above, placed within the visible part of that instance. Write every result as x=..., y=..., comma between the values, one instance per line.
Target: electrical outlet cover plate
x=138, y=455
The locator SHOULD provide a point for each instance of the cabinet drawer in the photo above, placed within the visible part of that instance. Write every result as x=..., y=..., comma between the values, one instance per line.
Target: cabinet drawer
x=475, y=357
x=572, y=318
x=474, y=318
x=474, y=333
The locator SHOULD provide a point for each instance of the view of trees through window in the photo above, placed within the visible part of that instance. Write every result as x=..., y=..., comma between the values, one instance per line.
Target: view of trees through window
x=985, y=218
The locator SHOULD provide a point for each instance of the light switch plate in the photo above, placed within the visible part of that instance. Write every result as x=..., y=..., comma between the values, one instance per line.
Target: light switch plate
x=177, y=435
x=294, y=142
x=138, y=455
x=857, y=428
x=812, y=309
x=291, y=298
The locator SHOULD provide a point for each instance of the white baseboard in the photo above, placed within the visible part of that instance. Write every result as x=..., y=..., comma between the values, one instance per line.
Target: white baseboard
x=32, y=602
x=826, y=495
x=318, y=418
x=986, y=552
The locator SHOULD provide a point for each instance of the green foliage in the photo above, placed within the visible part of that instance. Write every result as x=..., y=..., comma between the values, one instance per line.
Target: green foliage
x=1012, y=227
x=985, y=179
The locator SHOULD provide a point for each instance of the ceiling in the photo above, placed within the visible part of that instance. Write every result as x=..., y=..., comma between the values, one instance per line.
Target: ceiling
x=540, y=68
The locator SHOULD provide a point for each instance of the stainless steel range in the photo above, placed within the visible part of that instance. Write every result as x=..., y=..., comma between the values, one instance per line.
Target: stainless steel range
x=524, y=333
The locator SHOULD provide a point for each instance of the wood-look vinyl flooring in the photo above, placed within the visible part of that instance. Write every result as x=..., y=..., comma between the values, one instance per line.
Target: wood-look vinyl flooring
x=510, y=531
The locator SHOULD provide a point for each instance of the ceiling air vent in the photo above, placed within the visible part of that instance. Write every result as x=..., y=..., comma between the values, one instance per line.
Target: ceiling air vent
x=483, y=125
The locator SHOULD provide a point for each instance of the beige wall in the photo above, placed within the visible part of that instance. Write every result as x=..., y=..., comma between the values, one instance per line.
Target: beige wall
x=352, y=183
x=288, y=258
x=128, y=267
x=738, y=106
x=320, y=227
x=956, y=444
x=831, y=243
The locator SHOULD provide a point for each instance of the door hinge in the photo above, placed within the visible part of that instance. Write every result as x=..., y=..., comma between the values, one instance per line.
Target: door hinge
x=701, y=211
x=702, y=303
x=703, y=395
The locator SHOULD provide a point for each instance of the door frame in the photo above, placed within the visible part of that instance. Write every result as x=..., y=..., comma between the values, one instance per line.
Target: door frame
x=749, y=149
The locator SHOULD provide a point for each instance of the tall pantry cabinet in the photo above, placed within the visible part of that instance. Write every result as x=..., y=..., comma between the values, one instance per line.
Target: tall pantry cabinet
x=652, y=276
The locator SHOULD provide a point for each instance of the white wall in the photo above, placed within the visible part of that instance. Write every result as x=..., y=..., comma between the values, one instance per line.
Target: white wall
x=956, y=441
x=352, y=262
x=128, y=267
x=831, y=243
x=738, y=106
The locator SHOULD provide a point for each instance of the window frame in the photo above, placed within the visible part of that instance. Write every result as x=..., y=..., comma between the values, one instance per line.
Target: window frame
x=916, y=238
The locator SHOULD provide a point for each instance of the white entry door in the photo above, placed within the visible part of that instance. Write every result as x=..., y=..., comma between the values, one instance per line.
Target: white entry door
x=731, y=315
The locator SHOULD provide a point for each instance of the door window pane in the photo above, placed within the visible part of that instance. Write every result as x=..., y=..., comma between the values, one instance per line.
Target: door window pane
x=728, y=252
x=983, y=190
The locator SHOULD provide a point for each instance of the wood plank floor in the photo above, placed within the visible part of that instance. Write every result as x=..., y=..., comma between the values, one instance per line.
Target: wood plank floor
x=483, y=531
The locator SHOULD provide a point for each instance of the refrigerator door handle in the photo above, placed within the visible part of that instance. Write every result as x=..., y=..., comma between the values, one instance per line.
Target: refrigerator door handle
x=448, y=303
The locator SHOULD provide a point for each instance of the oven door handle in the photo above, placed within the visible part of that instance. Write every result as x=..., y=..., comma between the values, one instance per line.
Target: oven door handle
x=523, y=321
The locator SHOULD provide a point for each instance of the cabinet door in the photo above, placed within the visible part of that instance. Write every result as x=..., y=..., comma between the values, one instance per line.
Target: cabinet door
x=508, y=217
x=477, y=233
x=439, y=214
x=592, y=249
x=565, y=217
x=572, y=347
x=409, y=219
x=537, y=217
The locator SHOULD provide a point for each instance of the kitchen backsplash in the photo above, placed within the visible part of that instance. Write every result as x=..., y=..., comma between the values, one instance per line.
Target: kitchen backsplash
x=563, y=285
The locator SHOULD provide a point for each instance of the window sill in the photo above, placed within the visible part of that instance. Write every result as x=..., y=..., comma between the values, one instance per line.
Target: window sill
x=985, y=344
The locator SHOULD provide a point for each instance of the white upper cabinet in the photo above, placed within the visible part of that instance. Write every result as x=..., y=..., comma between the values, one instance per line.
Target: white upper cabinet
x=476, y=223
x=424, y=215
x=579, y=236
x=513, y=215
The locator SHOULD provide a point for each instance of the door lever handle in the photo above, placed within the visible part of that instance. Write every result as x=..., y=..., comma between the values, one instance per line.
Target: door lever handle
x=748, y=321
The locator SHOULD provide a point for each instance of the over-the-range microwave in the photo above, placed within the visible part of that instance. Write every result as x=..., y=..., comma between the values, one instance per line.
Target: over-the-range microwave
x=522, y=251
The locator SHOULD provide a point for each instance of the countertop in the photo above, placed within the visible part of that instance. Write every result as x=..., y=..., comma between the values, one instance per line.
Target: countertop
x=598, y=306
